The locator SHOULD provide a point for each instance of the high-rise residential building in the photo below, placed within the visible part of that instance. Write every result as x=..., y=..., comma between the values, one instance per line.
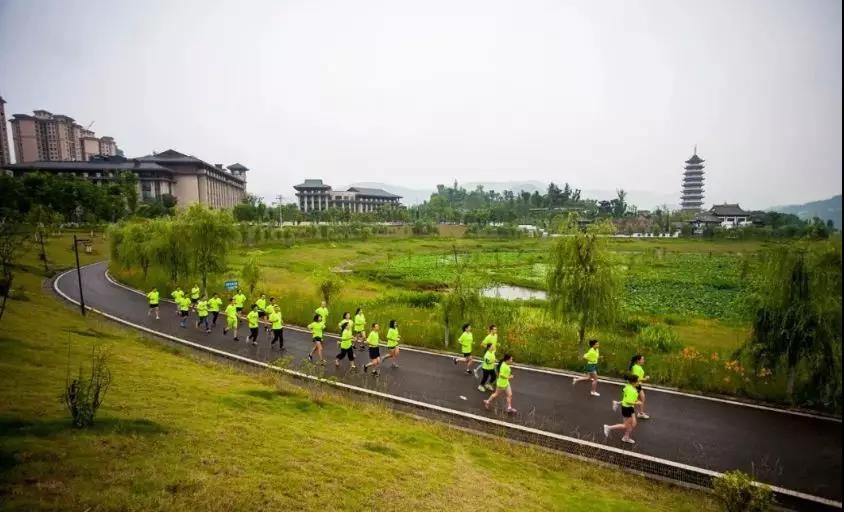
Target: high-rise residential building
x=692, y=195
x=314, y=195
x=5, y=155
x=47, y=137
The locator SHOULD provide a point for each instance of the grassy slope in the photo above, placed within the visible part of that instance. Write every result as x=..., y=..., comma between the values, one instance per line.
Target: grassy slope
x=179, y=433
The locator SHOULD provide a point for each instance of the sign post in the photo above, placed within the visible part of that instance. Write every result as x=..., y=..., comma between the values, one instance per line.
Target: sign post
x=231, y=285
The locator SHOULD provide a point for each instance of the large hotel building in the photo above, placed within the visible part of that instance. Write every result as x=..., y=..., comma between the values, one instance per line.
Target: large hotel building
x=187, y=178
x=315, y=196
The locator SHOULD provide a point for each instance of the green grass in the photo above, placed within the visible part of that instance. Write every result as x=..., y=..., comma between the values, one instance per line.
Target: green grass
x=177, y=432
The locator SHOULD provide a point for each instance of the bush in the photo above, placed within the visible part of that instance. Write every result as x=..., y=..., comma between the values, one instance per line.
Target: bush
x=737, y=493
x=84, y=395
x=659, y=337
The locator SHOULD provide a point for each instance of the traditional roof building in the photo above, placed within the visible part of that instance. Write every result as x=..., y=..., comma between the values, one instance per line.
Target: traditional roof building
x=692, y=195
x=314, y=195
x=725, y=215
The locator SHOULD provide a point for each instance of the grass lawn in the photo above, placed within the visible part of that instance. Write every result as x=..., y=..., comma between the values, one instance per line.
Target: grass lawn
x=177, y=432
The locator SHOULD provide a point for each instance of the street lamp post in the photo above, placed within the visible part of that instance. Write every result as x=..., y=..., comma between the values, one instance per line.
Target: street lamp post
x=78, y=271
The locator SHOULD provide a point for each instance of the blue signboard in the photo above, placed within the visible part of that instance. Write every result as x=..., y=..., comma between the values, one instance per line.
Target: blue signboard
x=231, y=285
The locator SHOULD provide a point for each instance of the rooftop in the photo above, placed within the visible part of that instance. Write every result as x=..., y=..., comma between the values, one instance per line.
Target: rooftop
x=727, y=210
x=373, y=192
x=171, y=156
x=694, y=160
x=237, y=167
x=309, y=183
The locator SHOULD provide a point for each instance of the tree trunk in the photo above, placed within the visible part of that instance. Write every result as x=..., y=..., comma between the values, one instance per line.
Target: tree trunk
x=789, y=385
x=43, y=253
x=581, y=333
x=445, y=335
x=7, y=287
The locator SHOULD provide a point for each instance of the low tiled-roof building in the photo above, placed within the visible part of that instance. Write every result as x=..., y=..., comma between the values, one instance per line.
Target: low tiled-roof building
x=314, y=195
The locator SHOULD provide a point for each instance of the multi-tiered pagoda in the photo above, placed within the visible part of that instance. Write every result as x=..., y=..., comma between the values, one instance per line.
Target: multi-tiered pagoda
x=692, y=197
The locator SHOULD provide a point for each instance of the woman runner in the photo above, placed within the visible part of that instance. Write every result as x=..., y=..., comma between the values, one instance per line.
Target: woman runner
x=239, y=301
x=629, y=401
x=374, y=350
x=252, y=323
x=277, y=326
x=491, y=337
x=346, y=348
x=636, y=369
x=153, y=296
x=214, y=305
x=231, y=319
x=316, y=327
x=262, y=306
x=465, y=341
x=177, y=295
x=488, y=367
x=359, y=329
x=591, y=357
x=184, y=311
x=194, y=295
x=503, y=384
x=393, y=339
x=202, y=313
x=322, y=311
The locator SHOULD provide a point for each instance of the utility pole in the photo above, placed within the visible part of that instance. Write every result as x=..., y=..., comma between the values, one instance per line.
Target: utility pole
x=78, y=271
x=279, y=198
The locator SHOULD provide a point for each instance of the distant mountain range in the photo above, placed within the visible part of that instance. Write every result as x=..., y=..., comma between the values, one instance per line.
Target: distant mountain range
x=826, y=209
x=642, y=199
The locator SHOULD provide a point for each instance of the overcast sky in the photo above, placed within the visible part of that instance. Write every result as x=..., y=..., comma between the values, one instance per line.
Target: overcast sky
x=602, y=94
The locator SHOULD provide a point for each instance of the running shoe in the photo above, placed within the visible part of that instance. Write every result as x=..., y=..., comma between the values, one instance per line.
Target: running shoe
x=486, y=404
x=573, y=381
x=627, y=440
x=311, y=358
x=236, y=339
x=454, y=360
x=489, y=387
x=481, y=389
x=365, y=368
x=594, y=393
x=468, y=372
x=255, y=343
x=510, y=410
x=606, y=431
x=615, y=405
x=643, y=415
x=337, y=363
x=477, y=371
x=395, y=365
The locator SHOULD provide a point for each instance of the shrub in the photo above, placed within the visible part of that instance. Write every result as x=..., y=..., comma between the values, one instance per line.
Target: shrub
x=659, y=337
x=83, y=395
x=737, y=493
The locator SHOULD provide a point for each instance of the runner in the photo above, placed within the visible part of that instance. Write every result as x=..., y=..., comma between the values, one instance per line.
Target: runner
x=202, y=313
x=194, y=295
x=465, y=341
x=214, y=305
x=636, y=369
x=231, y=319
x=359, y=329
x=262, y=306
x=491, y=337
x=591, y=357
x=184, y=311
x=629, y=401
x=277, y=326
x=316, y=327
x=252, y=323
x=393, y=339
x=239, y=301
x=503, y=384
x=177, y=295
x=271, y=308
x=346, y=348
x=374, y=350
x=322, y=311
x=488, y=367
x=153, y=297
x=347, y=318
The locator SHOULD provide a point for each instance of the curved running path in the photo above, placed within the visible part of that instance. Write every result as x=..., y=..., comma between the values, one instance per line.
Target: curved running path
x=792, y=451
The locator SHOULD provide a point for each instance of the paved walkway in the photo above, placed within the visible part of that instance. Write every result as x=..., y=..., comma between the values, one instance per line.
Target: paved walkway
x=797, y=452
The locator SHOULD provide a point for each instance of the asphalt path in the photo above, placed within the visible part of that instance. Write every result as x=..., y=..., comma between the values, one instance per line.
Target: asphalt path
x=797, y=452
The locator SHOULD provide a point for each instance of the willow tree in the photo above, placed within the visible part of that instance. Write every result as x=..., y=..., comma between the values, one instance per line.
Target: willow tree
x=583, y=285
x=210, y=234
x=796, y=308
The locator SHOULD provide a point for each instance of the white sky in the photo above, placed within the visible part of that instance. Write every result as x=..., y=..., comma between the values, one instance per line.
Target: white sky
x=602, y=94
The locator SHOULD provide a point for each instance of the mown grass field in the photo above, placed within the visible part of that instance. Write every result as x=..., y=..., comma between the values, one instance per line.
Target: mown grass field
x=178, y=432
x=690, y=291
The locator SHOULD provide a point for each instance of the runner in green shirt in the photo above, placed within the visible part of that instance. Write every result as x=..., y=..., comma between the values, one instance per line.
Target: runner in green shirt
x=373, y=341
x=491, y=338
x=271, y=307
x=262, y=305
x=214, y=305
x=591, y=356
x=465, y=341
x=393, y=339
x=239, y=301
x=488, y=367
x=153, y=296
x=184, y=311
x=502, y=384
x=346, y=342
x=252, y=323
x=638, y=370
x=359, y=329
x=629, y=401
x=202, y=313
x=177, y=295
x=194, y=294
x=317, y=327
x=231, y=319
x=277, y=325
x=322, y=311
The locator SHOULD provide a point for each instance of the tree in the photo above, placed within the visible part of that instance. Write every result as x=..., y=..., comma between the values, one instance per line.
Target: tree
x=12, y=240
x=463, y=297
x=251, y=274
x=136, y=247
x=210, y=234
x=619, y=204
x=43, y=222
x=582, y=281
x=796, y=304
x=128, y=184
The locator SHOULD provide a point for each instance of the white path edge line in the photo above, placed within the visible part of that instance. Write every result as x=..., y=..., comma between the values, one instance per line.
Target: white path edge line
x=423, y=405
x=562, y=373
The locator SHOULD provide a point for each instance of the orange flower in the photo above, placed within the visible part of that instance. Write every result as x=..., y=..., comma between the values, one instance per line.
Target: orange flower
x=715, y=356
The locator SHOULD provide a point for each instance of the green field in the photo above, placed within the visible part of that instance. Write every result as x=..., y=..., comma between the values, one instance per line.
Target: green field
x=179, y=432
x=689, y=291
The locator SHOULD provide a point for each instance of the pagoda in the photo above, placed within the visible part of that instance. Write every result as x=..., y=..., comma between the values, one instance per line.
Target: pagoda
x=691, y=199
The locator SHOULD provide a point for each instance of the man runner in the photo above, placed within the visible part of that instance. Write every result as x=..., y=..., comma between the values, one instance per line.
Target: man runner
x=153, y=297
x=231, y=319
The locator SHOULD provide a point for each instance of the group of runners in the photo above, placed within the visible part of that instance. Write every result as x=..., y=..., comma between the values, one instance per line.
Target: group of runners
x=494, y=373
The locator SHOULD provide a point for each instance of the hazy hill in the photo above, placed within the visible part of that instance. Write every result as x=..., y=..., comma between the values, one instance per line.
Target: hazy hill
x=825, y=209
